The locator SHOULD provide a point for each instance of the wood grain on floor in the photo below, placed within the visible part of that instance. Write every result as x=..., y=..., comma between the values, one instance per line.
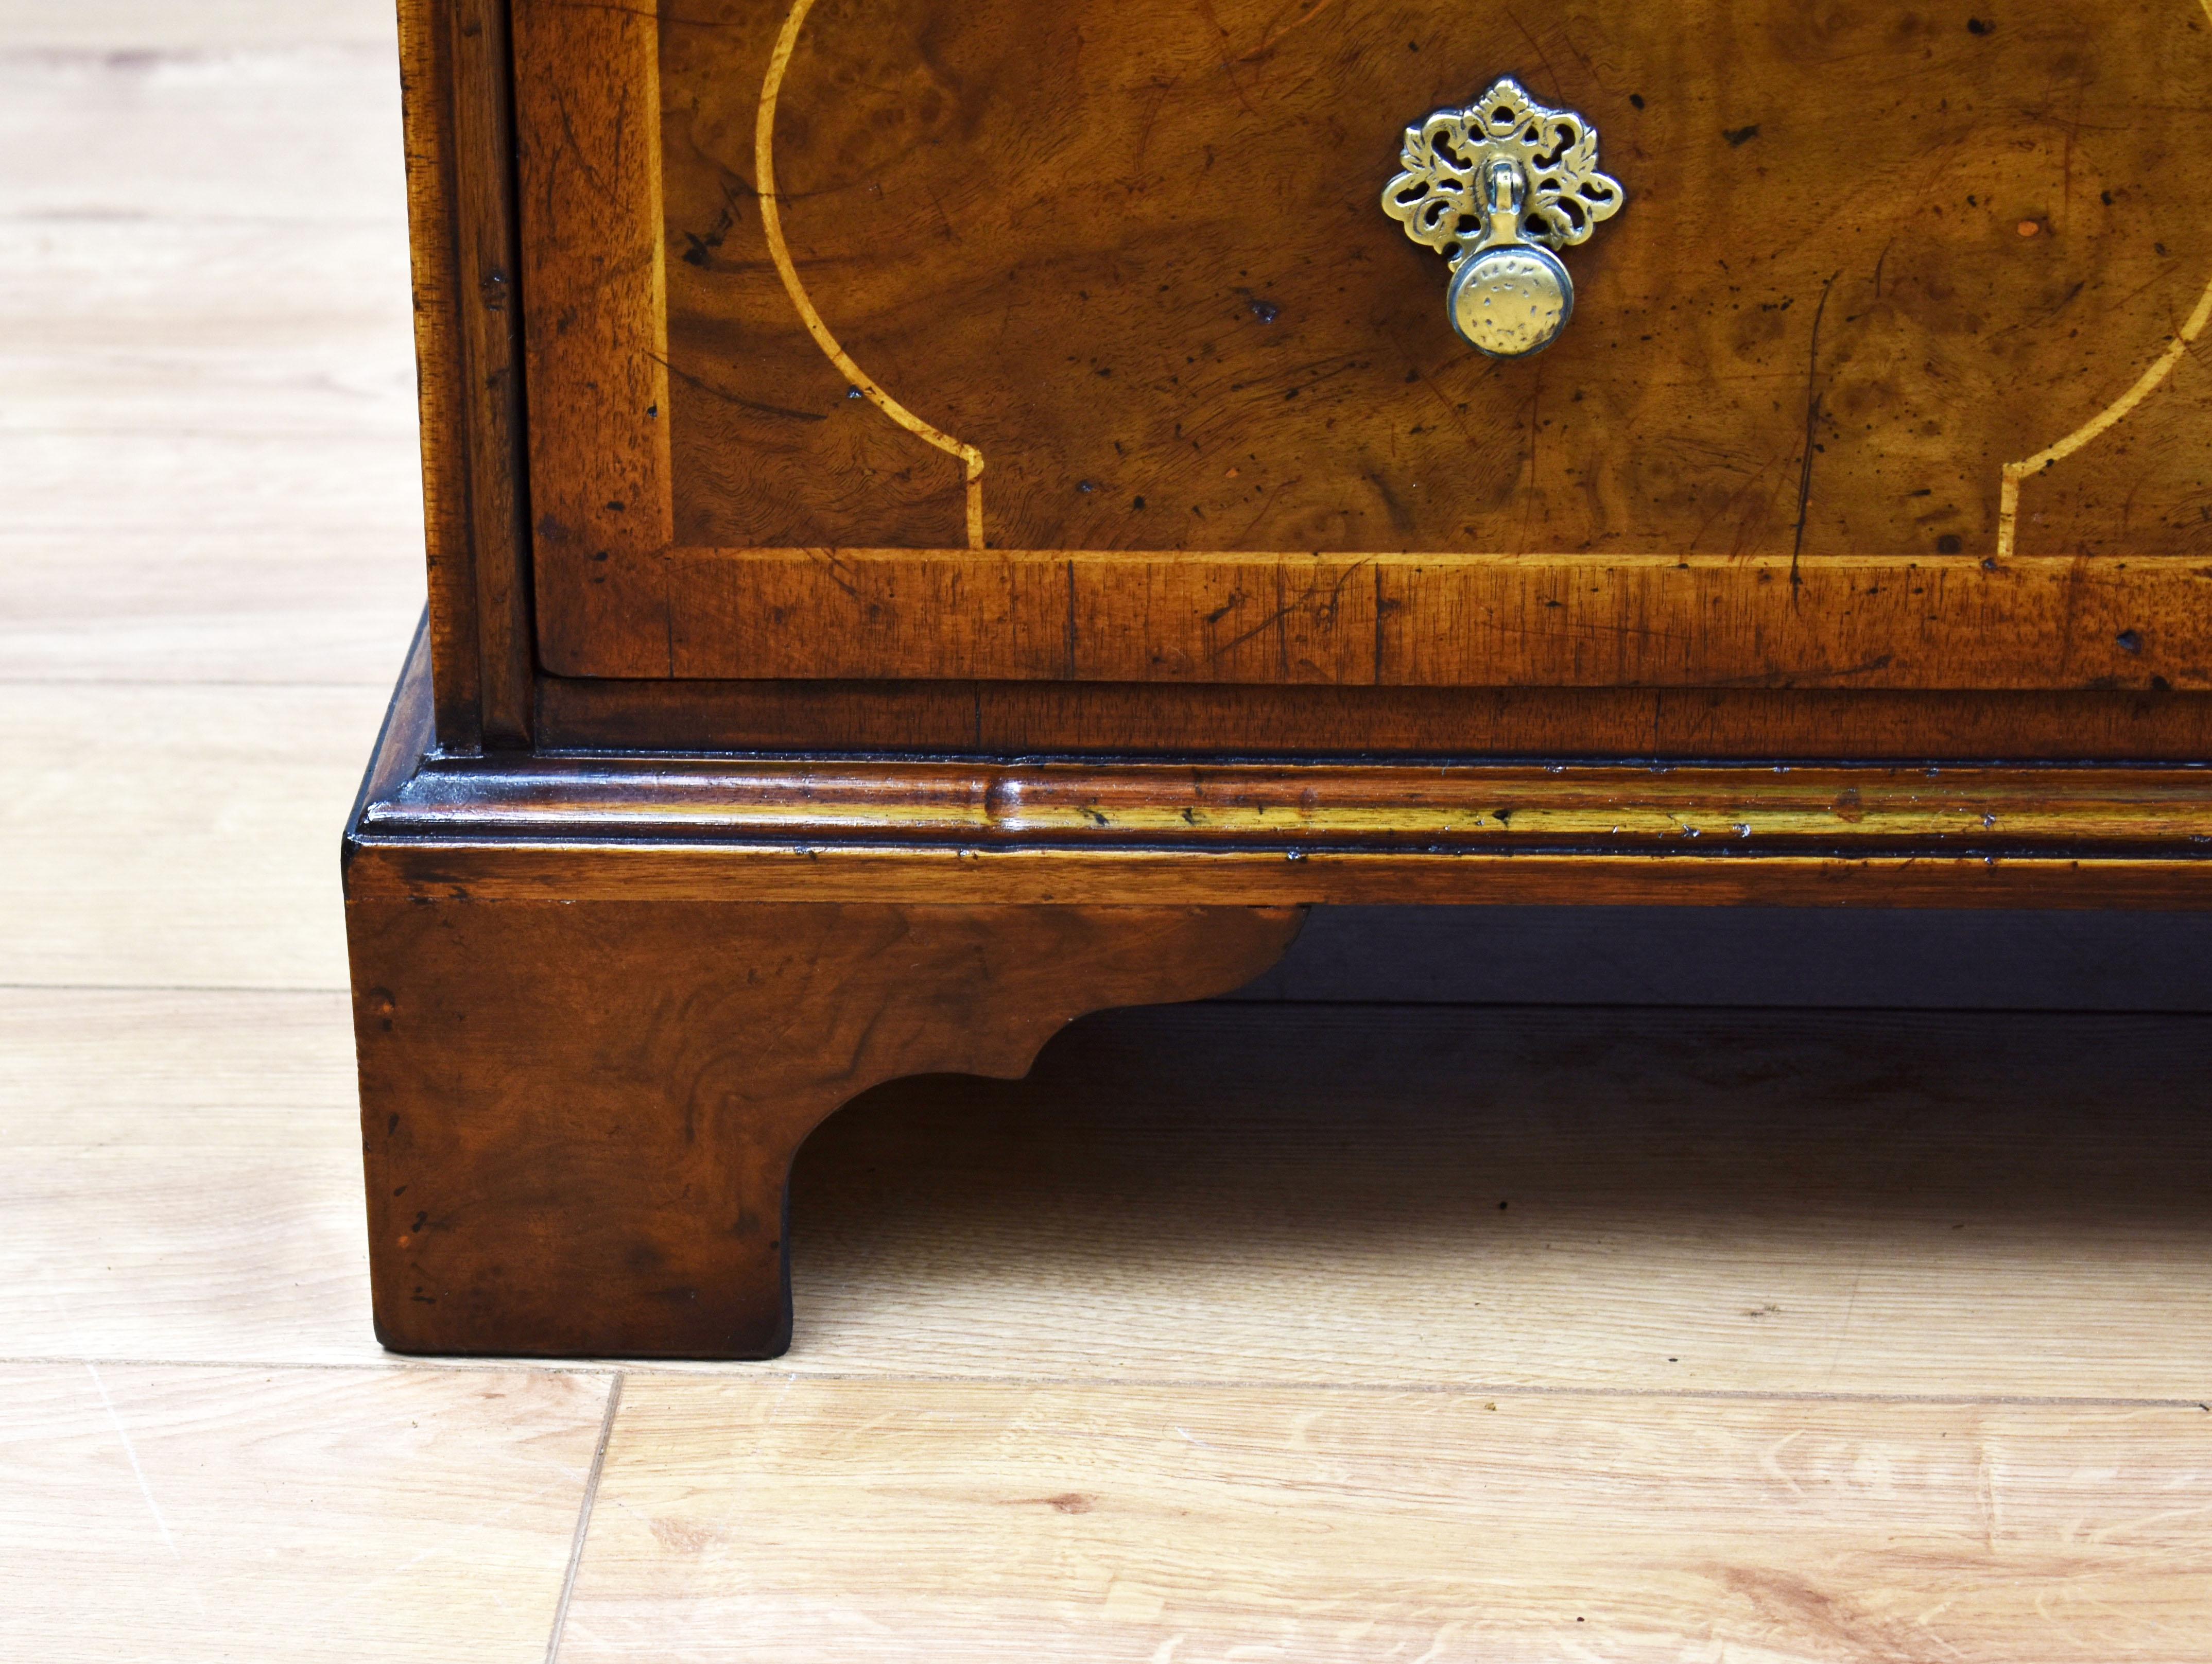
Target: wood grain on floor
x=1738, y=1201
x=297, y=1514
x=205, y=336
x=182, y=1174
x=193, y=26
x=170, y=1069
x=772, y=1522
x=179, y=836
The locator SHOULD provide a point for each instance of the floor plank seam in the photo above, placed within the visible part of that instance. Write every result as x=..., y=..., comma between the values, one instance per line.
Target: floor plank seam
x=736, y=1373
x=162, y=988
x=140, y=59
x=391, y=1366
x=84, y=682
x=1436, y=1389
x=584, y=1518
x=152, y=221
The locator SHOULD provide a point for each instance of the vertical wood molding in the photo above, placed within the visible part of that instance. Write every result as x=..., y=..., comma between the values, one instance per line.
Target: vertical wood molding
x=491, y=333
x=587, y=147
x=455, y=74
x=425, y=83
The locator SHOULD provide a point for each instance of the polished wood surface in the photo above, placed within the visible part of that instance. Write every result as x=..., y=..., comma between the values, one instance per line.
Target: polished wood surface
x=989, y=834
x=1137, y=246
x=456, y=65
x=609, y=1178
x=549, y=869
x=442, y=316
x=593, y=263
x=1878, y=622
x=1461, y=808
x=1058, y=718
x=1892, y=323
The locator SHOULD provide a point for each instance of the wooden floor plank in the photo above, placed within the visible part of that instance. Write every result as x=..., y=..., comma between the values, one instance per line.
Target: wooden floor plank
x=769, y=1521
x=206, y=333
x=178, y=837
x=219, y=585
x=181, y=1175
x=114, y=310
x=300, y=1515
x=310, y=134
x=1764, y=1201
x=1782, y=1203
x=230, y=1255
x=181, y=1070
x=191, y=24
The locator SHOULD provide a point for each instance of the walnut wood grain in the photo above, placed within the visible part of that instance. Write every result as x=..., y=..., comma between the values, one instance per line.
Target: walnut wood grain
x=487, y=264
x=1249, y=834
x=993, y=832
x=1471, y=620
x=456, y=69
x=587, y=164
x=1137, y=244
x=1061, y=718
x=549, y=868
x=1813, y=507
x=600, y=1002
x=427, y=100
x=1474, y=807
x=1133, y=254
x=580, y=1118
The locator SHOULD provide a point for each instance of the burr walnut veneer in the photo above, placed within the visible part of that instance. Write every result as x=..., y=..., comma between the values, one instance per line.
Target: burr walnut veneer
x=942, y=517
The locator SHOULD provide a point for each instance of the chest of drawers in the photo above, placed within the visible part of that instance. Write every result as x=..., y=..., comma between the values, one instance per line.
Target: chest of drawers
x=943, y=518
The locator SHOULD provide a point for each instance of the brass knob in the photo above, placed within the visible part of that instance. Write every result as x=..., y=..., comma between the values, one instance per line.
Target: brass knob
x=1497, y=186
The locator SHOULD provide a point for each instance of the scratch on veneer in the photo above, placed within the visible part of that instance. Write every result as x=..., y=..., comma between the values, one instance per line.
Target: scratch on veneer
x=772, y=223
x=2111, y=417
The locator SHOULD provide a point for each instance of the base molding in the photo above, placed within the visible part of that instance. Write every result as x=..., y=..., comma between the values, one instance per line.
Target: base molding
x=601, y=1001
x=1014, y=831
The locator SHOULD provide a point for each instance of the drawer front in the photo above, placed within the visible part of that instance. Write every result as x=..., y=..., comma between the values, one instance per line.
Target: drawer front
x=892, y=338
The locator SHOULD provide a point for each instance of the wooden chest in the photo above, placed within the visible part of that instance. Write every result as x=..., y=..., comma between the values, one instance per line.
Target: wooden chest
x=945, y=518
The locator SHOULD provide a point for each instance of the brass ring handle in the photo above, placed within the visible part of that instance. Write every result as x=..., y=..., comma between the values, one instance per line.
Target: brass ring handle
x=1497, y=186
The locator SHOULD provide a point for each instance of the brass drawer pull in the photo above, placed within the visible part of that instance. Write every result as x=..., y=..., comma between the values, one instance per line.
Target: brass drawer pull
x=1497, y=186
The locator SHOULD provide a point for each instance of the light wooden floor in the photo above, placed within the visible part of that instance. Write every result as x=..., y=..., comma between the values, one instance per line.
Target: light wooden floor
x=1246, y=1333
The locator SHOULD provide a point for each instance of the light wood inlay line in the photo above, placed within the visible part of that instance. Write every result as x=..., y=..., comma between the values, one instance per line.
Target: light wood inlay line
x=2111, y=417
x=772, y=224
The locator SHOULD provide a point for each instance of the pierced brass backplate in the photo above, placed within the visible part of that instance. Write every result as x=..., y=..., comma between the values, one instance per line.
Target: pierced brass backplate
x=1497, y=186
